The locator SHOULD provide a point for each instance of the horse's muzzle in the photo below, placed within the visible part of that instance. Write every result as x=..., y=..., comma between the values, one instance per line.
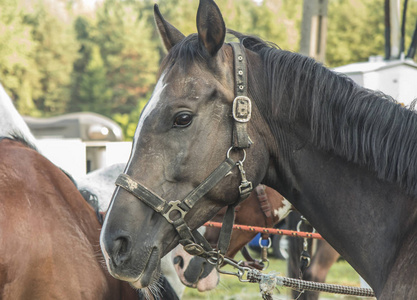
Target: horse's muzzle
x=123, y=263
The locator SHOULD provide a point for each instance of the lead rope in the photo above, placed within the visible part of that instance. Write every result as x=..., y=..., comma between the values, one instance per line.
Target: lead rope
x=269, y=282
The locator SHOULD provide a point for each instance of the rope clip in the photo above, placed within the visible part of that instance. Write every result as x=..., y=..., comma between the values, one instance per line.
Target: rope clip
x=245, y=187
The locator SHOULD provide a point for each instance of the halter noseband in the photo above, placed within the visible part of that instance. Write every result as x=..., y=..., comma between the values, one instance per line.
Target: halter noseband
x=175, y=211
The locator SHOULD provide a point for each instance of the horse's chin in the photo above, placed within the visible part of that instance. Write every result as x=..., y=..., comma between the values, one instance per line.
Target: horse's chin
x=150, y=274
x=203, y=285
x=210, y=283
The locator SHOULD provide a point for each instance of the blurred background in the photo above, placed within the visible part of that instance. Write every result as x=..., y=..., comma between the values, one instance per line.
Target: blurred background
x=102, y=56
x=84, y=69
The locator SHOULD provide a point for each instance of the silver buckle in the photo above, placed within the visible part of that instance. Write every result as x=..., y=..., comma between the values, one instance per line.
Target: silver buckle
x=174, y=207
x=242, y=109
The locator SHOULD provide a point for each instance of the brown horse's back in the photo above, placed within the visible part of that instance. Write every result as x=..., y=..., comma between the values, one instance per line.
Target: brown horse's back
x=49, y=235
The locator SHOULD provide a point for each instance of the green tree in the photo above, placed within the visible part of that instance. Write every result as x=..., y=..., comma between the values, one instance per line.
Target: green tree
x=273, y=20
x=94, y=93
x=277, y=21
x=410, y=24
x=54, y=53
x=84, y=30
x=18, y=71
x=129, y=54
x=355, y=31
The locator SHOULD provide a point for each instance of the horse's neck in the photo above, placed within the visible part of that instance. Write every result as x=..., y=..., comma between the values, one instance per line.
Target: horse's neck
x=10, y=119
x=361, y=216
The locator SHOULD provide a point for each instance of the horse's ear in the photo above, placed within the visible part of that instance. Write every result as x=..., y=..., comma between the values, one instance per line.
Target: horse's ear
x=169, y=34
x=210, y=26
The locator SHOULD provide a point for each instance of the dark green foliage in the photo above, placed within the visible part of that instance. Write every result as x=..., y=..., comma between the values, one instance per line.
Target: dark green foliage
x=56, y=57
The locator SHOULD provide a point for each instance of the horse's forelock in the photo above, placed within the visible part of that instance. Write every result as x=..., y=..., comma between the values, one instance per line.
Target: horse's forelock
x=186, y=52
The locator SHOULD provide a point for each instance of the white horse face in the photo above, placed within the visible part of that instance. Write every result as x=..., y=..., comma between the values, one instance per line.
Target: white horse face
x=11, y=121
x=194, y=271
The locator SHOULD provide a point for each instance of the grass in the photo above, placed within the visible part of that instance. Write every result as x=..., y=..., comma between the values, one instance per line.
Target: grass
x=230, y=288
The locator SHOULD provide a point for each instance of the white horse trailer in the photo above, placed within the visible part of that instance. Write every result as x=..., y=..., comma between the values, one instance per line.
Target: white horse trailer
x=397, y=78
x=80, y=142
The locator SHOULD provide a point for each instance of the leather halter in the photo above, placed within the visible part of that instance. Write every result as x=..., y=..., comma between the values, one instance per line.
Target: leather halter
x=266, y=208
x=175, y=211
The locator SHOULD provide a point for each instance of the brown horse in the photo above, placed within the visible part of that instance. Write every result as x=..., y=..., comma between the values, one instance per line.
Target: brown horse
x=49, y=235
x=265, y=207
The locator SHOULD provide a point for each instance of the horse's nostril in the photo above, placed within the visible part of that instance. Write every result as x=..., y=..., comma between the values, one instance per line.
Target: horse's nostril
x=121, y=250
x=179, y=260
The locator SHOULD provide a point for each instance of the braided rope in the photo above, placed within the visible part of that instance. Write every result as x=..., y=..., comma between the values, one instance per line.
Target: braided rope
x=326, y=287
x=298, y=284
x=269, y=230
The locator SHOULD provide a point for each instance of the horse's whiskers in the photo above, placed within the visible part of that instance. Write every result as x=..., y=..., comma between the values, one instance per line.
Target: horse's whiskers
x=152, y=292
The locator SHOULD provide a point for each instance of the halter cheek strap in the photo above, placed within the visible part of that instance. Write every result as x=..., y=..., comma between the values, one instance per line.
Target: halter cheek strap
x=175, y=211
x=242, y=106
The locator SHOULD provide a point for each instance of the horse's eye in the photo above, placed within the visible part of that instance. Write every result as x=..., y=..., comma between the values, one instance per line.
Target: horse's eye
x=183, y=120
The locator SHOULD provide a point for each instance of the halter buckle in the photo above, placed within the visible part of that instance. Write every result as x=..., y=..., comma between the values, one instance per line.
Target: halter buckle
x=174, y=206
x=194, y=249
x=242, y=109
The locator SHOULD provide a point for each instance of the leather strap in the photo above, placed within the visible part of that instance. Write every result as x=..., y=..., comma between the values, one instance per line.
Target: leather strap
x=240, y=70
x=265, y=205
x=266, y=208
x=218, y=174
x=141, y=192
x=175, y=211
x=226, y=230
x=242, y=106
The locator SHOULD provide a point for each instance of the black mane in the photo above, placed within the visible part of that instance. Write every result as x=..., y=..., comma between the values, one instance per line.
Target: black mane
x=361, y=125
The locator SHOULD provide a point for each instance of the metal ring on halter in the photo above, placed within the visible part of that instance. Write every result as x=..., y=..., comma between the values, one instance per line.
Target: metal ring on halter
x=269, y=243
x=215, y=258
x=231, y=148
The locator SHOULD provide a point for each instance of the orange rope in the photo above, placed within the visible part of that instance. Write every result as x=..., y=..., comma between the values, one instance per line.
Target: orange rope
x=269, y=230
